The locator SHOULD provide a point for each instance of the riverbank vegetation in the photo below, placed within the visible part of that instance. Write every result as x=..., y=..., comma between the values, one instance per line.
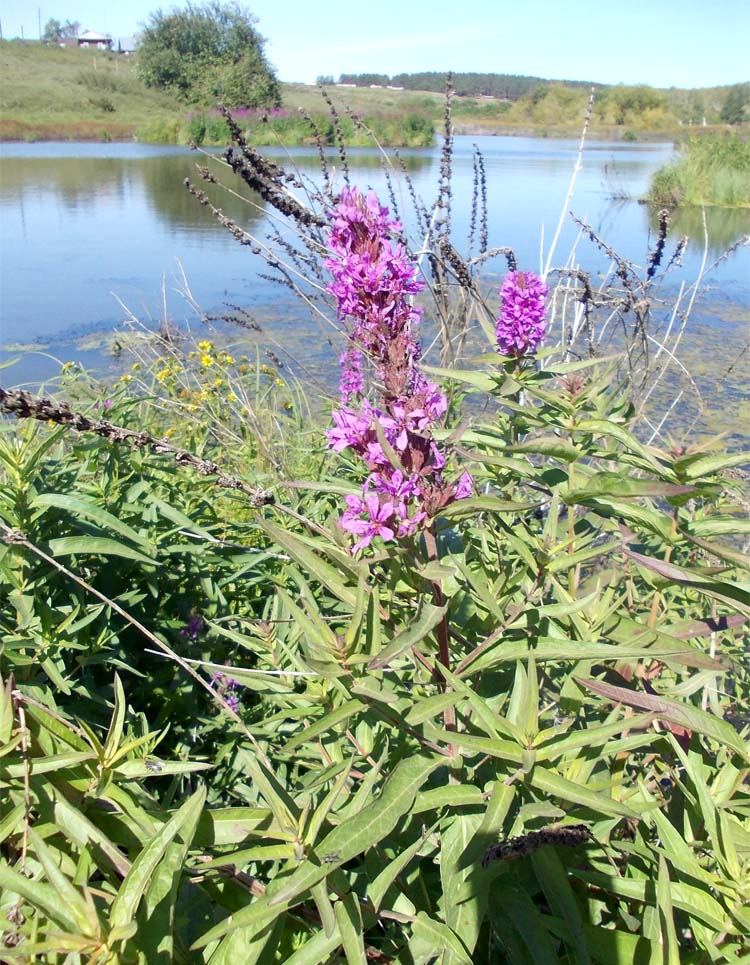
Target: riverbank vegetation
x=458, y=673
x=713, y=170
x=47, y=92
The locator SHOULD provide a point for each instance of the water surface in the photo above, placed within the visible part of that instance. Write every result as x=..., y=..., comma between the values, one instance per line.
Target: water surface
x=94, y=232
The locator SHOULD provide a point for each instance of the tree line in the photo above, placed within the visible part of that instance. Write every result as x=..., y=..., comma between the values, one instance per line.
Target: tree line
x=506, y=86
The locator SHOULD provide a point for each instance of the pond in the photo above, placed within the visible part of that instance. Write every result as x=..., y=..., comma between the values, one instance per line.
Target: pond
x=92, y=233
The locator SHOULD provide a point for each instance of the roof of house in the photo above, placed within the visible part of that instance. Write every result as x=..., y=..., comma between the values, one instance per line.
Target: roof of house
x=93, y=36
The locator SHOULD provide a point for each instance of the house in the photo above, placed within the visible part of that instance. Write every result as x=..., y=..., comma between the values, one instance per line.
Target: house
x=127, y=45
x=93, y=39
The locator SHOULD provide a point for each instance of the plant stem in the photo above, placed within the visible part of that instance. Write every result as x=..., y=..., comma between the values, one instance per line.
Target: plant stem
x=444, y=657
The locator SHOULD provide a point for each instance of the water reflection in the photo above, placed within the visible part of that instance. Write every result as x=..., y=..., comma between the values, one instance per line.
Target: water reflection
x=722, y=226
x=82, y=223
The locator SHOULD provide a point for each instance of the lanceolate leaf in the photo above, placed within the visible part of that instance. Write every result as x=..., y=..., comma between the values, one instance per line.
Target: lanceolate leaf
x=682, y=714
x=348, y=840
x=139, y=877
x=730, y=593
x=88, y=508
x=424, y=624
x=96, y=546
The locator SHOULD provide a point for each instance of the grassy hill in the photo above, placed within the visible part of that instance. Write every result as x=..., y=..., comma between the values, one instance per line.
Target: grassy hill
x=70, y=94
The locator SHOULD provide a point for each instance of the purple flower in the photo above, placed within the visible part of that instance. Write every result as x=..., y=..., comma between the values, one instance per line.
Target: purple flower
x=520, y=327
x=464, y=486
x=192, y=628
x=352, y=381
x=368, y=518
x=225, y=687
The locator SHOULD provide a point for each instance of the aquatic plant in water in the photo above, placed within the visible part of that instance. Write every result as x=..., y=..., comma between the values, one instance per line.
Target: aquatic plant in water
x=374, y=283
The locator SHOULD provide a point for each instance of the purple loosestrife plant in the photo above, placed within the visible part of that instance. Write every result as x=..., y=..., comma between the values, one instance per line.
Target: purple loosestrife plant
x=374, y=283
x=520, y=327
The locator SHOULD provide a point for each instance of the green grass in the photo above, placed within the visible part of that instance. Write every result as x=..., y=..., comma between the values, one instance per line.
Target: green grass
x=53, y=92
x=712, y=170
x=57, y=93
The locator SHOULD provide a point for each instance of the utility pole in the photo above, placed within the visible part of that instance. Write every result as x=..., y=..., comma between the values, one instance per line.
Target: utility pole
x=39, y=20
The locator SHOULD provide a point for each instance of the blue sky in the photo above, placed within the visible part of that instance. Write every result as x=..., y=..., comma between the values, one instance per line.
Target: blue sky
x=685, y=43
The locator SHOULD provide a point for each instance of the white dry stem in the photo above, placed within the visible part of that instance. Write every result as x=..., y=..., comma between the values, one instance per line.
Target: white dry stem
x=223, y=668
x=566, y=205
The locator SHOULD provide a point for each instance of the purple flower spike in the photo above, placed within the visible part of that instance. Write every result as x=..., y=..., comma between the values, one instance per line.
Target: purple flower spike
x=374, y=283
x=520, y=327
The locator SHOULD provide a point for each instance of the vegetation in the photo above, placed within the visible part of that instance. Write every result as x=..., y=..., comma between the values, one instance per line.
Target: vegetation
x=208, y=54
x=736, y=106
x=69, y=94
x=55, y=31
x=710, y=170
x=517, y=734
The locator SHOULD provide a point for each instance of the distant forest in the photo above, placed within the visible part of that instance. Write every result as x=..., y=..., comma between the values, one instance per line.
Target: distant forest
x=506, y=86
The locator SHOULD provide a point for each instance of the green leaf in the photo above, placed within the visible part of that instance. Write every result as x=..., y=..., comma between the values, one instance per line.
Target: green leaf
x=311, y=562
x=96, y=546
x=425, y=622
x=219, y=827
x=349, y=839
x=6, y=710
x=68, y=896
x=548, y=446
x=521, y=927
x=114, y=734
x=435, y=942
x=38, y=895
x=90, y=509
x=483, y=504
x=311, y=732
x=316, y=951
x=43, y=765
x=676, y=712
x=609, y=429
x=695, y=901
x=83, y=832
x=625, y=487
x=137, y=880
x=349, y=921
x=377, y=890
x=479, y=380
x=139, y=769
x=465, y=883
x=695, y=468
x=730, y=593
x=550, y=873
x=319, y=893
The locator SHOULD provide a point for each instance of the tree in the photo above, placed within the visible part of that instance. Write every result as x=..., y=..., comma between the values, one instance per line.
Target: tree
x=209, y=53
x=734, y=110
x=54, y=31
